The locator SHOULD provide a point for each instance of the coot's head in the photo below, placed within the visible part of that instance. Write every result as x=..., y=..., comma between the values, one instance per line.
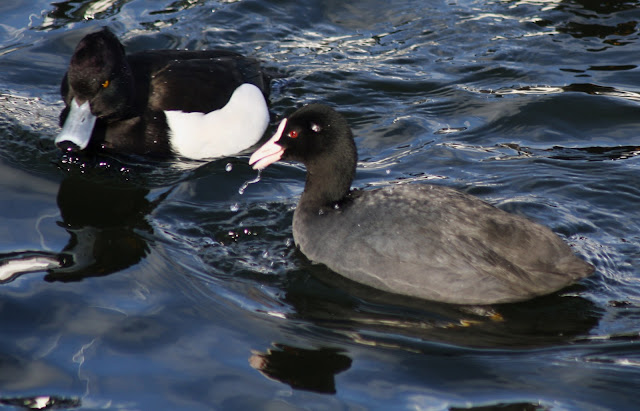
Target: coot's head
x=320, y=138
x=98, y=85
x=315, y=135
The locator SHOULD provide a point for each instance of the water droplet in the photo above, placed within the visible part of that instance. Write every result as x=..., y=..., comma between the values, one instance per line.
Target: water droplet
x=247, y=183
x=228, y=167
x=388, y=171
x=265, y=254
x=336, y=206
x=234, y=207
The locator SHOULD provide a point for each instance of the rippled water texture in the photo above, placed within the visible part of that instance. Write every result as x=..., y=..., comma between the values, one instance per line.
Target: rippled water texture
x=131, y=284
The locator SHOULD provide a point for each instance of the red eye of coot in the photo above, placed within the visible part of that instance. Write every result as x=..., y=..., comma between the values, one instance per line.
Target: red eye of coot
x=293, y=134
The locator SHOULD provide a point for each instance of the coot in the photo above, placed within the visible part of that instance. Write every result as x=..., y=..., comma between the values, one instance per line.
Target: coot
x=196, y=104
x=420, y=240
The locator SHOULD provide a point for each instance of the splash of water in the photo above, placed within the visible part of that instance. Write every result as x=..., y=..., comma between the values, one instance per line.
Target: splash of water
x=247, y=183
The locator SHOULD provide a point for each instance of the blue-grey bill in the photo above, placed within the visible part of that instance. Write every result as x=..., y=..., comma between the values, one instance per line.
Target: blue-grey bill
x=78, y=126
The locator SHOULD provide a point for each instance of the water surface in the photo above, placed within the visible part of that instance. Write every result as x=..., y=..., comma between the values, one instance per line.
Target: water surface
x=162, y=287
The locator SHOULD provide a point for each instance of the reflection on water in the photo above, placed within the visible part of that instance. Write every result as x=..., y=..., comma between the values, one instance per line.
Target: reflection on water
x=593, y=8
x=516, y=406
x=363, y=312
x=42, y=402
x=586, y=88
x=107, y=225
x=108, y=229
x=65, y=12
x=304, y=369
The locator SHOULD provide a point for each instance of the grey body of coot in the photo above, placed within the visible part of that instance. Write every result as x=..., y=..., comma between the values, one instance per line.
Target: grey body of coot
x=420, y=240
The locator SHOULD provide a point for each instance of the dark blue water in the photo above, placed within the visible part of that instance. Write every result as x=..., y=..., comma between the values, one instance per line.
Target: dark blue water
x=167, y=289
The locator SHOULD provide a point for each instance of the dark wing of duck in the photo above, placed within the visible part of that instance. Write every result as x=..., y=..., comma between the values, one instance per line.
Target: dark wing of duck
x=216, y=73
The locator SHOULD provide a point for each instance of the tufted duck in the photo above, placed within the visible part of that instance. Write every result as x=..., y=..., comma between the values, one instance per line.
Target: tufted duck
x=196, y=104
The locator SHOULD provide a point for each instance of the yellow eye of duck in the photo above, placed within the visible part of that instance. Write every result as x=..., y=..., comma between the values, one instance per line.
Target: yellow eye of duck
x=105, y=84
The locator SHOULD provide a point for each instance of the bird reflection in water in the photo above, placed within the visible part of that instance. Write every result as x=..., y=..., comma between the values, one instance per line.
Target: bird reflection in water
x=106, y=224
x=108, y=231
x=331, y=301
x=304, y=369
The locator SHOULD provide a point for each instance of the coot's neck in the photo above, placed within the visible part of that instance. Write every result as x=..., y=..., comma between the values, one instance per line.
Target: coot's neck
x=329, y=177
